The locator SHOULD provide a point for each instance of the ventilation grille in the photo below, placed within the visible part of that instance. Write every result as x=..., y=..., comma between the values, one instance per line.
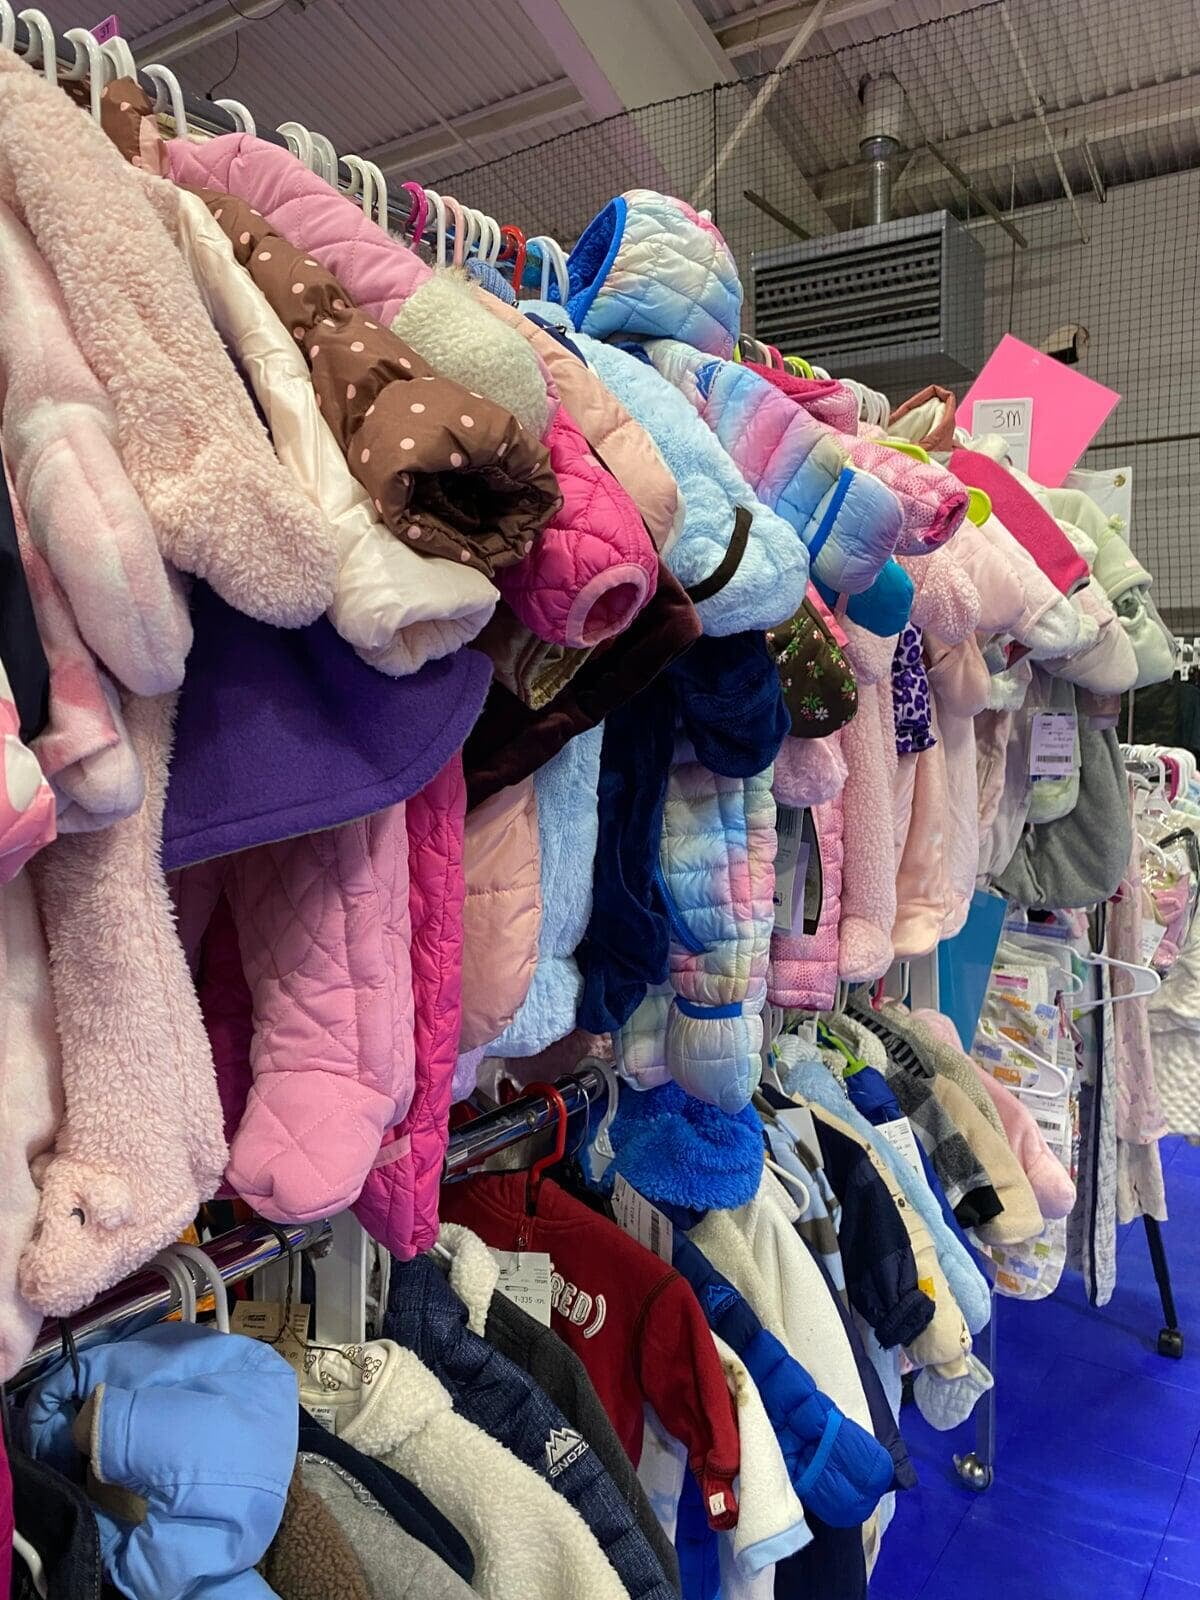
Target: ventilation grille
x=896, y=305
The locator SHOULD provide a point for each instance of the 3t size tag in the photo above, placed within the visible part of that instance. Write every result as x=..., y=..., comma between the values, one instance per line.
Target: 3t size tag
x=1052, y=745
x=900, y=1136
x=264, y=1320
x=525, y=1280
x=642, y=1221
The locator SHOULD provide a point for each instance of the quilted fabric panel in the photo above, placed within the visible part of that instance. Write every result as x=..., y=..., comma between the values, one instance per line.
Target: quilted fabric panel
x=594, y=566
x=804, y=967
x=398, y=1204
x=323, y=928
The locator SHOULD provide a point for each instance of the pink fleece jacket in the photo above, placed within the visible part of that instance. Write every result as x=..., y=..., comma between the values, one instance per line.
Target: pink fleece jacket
x=804, y=967
x=594, y=566
x=1027, y=521
x=868, y=899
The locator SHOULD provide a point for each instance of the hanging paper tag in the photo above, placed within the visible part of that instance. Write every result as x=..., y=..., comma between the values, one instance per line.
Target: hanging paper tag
x=900, y=1136
x=1052, y=748
x=789, y=845
x=110, y=28
x=1153, y=934
x=1012, y=420
x=525, y=1280
x=798, y=1120
x=264, y=1320
x=642, y=1221
x=1052, y=1117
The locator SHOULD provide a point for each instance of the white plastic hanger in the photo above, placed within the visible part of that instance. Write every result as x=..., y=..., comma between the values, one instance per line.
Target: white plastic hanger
x=793, y=1182
x=439, y=213
x=369, y=186
x=1034, y=1091
x=1145, y=980
x=212, y=1277
x=492, y=241
x=43, y=46
x=552, y=257
x=299, y=142
x=90, y=62
x=166, y=86
x=239, y=113
x=325, y=159
x=37, y=1572
x=119, y=56
x=178, y=1276
x=8, y=26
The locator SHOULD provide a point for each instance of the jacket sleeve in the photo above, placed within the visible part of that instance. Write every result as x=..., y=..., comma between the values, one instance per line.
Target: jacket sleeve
x=83, y=514
x=681, y=1376
x=717, y=879
x=448, y=472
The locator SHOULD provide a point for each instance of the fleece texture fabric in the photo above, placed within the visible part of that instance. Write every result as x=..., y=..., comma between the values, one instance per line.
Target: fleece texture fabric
x=220, y=504
x=83, y=513
x=141, y=1142
x=301, y=735
x=1028, y=522
x=425, y=1315
x=566, y=791
x=771, y=571
x=202, y=1427
x=525, y=1538
x=678, y=1150
x=311, y=1558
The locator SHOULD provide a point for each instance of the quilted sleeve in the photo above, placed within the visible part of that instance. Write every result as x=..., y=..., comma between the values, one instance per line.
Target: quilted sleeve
x=594, y=567
x=449, y=472
x=324, y=930
x=717, y=879
x=849, y=520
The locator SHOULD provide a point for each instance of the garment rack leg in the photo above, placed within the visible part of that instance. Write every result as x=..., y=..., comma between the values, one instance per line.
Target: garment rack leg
x=978, y=1468
x=1170, y=1335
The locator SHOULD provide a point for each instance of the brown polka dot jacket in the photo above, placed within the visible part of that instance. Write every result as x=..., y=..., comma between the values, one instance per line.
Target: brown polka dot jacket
x=450, y=473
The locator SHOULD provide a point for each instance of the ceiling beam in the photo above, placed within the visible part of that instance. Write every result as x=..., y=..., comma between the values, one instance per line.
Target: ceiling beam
x=526, y=110
x=776, y=23
x=204, y=24
x=1116, y=116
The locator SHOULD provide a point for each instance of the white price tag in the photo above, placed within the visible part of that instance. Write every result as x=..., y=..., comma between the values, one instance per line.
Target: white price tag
x=525, y=1280
x=790, y=848
x=903, y=1141
x=1012, y=420
x=1052, y=749
x=642, y=1221
x=1153, y=934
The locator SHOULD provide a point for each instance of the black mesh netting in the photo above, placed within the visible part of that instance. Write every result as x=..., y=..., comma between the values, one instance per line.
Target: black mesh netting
x=1079, y=121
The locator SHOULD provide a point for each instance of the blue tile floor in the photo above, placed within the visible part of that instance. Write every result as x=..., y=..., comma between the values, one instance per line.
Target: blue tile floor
x=1097, y=1487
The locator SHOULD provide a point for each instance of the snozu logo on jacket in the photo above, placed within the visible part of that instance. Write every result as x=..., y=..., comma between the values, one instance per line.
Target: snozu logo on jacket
x=577, y=1305
x=563, y=1447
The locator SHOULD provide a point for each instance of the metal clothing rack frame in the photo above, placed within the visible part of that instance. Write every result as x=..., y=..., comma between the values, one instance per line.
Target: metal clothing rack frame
x=338, y=1248
x=212, y=118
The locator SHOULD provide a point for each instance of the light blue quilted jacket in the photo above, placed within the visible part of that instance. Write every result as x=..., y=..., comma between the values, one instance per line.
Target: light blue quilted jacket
x=650, y=268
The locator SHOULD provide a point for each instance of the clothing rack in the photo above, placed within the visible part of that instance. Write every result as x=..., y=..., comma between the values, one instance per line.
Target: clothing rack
x=338, y=1248
x=214, y=119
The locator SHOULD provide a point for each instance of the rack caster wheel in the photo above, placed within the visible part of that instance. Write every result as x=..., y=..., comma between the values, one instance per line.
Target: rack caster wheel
x=974, y=1473
x=1170, y=1343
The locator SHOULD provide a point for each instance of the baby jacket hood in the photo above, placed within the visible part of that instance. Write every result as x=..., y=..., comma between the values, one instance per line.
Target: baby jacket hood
x=677, y=1150
x=650, y=266
x=721, y=511
x=202, y=1427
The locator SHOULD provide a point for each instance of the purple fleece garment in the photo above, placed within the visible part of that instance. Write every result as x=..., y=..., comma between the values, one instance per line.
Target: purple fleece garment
x=284, y=731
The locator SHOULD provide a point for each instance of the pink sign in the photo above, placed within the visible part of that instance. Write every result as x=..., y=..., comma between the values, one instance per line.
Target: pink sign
x=110, y=28
x=1068, y=411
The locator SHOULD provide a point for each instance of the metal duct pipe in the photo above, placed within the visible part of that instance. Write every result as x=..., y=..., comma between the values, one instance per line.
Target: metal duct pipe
x=883, y=123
